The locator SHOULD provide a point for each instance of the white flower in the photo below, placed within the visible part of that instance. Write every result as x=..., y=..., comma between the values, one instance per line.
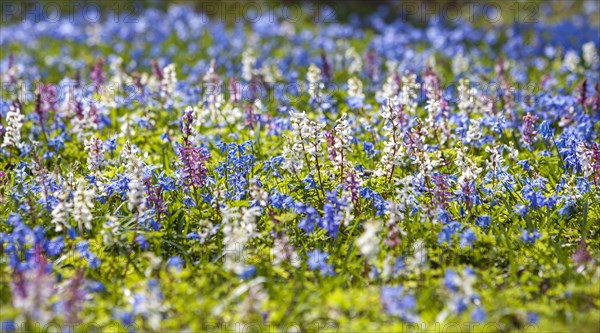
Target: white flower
x=14, y=120
x=571, y=60
x=355, y=87
x=169, y=81
x=238, y=226
x=213, y=94
x=134, y=170
x=460, y=64
x=61, y=211
x=82, y=205
x=315, y=82
x=474, y=132
x=95, y=151
x=248, y=63
x=467, y=168
x=496, y=159
x=409, y=91
x=466, y=96
x=368, y=242
x=353, y=60
x=418, y=259
x=590, y=54
x=390, y=88
x=342, y=139
x=306, y=138
x=149, y=304
x=393, y=149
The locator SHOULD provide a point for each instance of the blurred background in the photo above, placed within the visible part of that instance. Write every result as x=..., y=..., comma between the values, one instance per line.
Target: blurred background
x=478, y=12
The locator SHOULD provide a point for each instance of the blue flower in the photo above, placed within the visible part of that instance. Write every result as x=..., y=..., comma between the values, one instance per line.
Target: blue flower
x=142, y=242
x=398, y=303
x=546, y=129
x=111, y=143
x=175, y=262
x=478, y=314
x=55, y=246
x=451, y=280
x=521, y=209
x=532, y=317
x=248, y=272
x=529, y=237
x=483, y=221
x=467, y=238
x=83, y=247
x=189, y=202
x=317, y=260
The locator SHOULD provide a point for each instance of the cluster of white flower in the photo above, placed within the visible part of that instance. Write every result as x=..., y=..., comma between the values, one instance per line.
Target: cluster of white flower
x=353, y=61
x=355, y=88
x=393, y=149
x=213, y=97
x=134, y=170
x=305, y=141
x=409, y=92
x=590, y=54
x=259, y=197
x=467, y=168
x=425, y=163
x=368, y=242
x=513, y=153
x=167, y=85
x=466, y=96
x=342, y=140
x=270, y=72
x=346, y=195
x=83, y=202
x=255, y=297
x=315, y=82
x=95, y=151
x=149, y=304
x=460, y=64
x=405, y=200
x=238, y=226
x=86, y=121
x=14, y=120
x=111, y=231
x=585, y=155
x=284, y=251
x=474, y=132
x=390, y=88
x=496, y=159
x=61, y=210
x=248, y=64
x=571, y=61
x=419, y=259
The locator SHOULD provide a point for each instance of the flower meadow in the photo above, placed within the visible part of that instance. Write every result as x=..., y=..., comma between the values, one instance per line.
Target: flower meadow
x=170, y=171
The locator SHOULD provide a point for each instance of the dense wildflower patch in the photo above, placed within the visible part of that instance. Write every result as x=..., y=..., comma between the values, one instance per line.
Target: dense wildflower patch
x=180, y=173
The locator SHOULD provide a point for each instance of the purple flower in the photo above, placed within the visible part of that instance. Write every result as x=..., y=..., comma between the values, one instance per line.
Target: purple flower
x=193, y=172
x=529, y=131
